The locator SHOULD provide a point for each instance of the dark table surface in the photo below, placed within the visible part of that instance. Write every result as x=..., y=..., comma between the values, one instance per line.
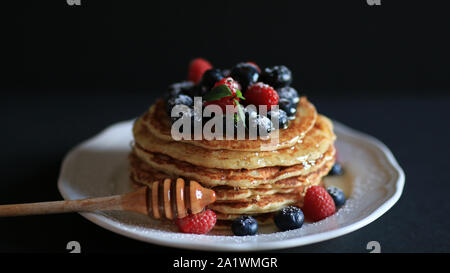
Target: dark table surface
x=38, y=130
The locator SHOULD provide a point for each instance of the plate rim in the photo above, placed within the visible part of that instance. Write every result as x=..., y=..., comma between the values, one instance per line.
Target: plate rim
x=111, y=225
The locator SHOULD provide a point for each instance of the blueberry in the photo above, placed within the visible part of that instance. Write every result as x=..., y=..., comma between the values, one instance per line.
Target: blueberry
x=337, y=195
x=288, y=100
x=210, y=77
x=288, y=93
x=255, y=122
x=289, y=218
x=336, y=169
x=226, y=72
x=196, y=91
x=180, y=99
x=244, y=225
x=178, y=88
x=287, y=106
x=246, y=74
x=276, y=76
x=282, y=118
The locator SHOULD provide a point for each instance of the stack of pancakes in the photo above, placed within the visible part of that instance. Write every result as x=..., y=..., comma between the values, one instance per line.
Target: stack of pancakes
x=250, y=177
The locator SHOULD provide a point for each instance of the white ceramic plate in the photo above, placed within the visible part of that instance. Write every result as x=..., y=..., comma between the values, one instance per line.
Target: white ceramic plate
x=99, y=167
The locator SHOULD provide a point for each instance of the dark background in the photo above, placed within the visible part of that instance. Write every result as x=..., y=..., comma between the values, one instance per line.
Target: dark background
x=332, y=47
x=70, y=71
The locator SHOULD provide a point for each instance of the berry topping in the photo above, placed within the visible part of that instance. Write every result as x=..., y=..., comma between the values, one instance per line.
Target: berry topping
x=337, y=195
x=261, y=94
x=276, y=76
x=244, y=225
x=288, y=93
x=281, y=116
x=231, y=83
x=288, y=106
x=255, y=65
x=180, y=99
x=336, y=169
x=225, y=92
x=199, y=223
x=223, y=102
x=226, y=72
x=246, y=74
x=289, y=218
x=197, y=67
x=211, y=77
x=256, y=123
x=318, y=204
x=178, y=88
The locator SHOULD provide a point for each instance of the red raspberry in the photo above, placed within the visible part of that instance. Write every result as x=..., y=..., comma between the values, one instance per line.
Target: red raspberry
x=199, y=223
x=318, y=204
x=230, y=100
x=197, y=67
x=232, y=84
x=255, y=65
x=261, y=94
x=223, y=102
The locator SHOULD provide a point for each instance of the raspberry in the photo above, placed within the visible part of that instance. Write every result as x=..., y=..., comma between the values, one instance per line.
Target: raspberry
x=199, y=223
x=197, y=67
x=223, y=102
x=261, y=94
x=229, y=100
x=228, y=81
x=318, y=204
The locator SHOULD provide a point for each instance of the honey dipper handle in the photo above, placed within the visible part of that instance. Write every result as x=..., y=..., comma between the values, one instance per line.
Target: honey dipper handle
x=134, y=201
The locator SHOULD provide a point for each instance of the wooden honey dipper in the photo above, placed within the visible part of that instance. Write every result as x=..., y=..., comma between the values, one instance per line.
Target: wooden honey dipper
x=174, y=198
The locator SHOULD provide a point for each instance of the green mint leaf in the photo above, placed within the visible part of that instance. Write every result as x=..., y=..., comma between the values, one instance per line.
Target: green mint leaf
x=217, y=93
x=240, y=113
x=239, y=94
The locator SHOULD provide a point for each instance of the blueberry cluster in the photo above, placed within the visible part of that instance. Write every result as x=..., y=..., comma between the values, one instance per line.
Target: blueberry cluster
x=246, y=74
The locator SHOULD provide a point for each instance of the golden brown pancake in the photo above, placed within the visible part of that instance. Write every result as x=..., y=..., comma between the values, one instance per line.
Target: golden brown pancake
x=158, y=123
x=224, y=221
x=296, y=184
x=311, y=147
x=225, y=193
x=263, y=204
x=144, y=167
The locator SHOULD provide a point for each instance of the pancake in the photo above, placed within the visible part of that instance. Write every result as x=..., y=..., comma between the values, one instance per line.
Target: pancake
x=238, y=195
x=224, y=221
x=248, y=177
x=298, y=184
x=158, y=123
x=313, y=145
x=146, y=175
x=224, y=216
x=263, y=204
x=145, y=165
